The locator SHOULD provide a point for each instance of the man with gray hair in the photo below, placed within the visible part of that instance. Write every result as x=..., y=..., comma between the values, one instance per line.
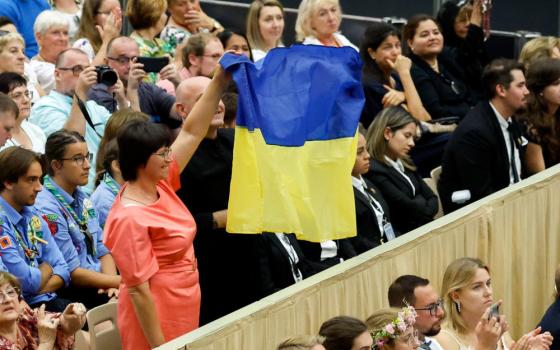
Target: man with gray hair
x=64, y=107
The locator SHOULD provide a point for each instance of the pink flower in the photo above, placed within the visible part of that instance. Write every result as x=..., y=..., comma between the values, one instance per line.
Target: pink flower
x=402, y=326
x=380, y=343
x=390, y=329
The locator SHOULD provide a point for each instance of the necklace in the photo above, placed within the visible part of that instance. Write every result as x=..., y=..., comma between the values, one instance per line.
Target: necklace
x=135, y=200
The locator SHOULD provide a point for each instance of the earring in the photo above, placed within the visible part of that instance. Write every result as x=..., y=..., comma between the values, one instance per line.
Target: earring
x=458, y=306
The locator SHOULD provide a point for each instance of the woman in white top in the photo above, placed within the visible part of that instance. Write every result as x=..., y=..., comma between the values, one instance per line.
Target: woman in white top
x=24, y=133
x=265, y=26
x=51, y=32
x=101, y=22
x=318, y=23
x=12, y=58
x=72, y=11
x=468, y=297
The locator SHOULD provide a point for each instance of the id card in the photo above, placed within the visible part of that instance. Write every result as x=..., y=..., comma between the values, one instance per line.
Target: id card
x=388, y=230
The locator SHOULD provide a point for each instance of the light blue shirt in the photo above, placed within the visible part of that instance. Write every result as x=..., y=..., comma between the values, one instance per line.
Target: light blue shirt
x=103, y=199
x=51, y=113
x=13, y=254
x=70, y=240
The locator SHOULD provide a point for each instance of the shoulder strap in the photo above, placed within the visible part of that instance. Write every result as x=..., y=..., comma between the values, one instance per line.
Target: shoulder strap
x=83, y=108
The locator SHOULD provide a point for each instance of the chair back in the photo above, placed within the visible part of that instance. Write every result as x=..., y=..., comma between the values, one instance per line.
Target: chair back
x=105, y=337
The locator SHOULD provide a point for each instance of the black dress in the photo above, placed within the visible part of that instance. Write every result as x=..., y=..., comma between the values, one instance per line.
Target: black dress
x=227, y=263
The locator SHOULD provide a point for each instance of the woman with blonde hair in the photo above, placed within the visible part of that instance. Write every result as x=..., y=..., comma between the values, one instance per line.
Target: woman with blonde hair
x=393, y=329
x=390, y=138
x=302, y=343
x=468, y=300
x=265, y=26
x=539, y=48
x=318, y=23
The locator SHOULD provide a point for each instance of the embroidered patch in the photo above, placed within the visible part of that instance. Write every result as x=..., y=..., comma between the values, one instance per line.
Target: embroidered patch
x=5, y=242
x=36, y=223
x=51, y=222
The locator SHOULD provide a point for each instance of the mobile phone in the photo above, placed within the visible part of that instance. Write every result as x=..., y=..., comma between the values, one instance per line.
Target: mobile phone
x=153, y=64
x=494, y=311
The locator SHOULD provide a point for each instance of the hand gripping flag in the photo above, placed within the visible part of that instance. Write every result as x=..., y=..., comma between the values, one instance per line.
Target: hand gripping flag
x=295, y=142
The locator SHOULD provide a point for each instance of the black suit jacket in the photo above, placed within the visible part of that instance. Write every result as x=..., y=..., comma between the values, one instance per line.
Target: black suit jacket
x=368, y=234
x=312, y=251
x=274, y=263
x=408, y=211
x=551, y=323
x=476, y=157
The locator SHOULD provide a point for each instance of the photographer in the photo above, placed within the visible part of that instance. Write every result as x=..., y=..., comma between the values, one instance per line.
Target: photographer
x=122, y=54
x=60, y=109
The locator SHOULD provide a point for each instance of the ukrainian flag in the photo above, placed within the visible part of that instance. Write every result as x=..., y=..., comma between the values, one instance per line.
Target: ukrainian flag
x=295, y=142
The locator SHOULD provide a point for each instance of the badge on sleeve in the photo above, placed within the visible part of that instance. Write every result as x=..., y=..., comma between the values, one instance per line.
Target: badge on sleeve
x=51, y=221
x=5, y=242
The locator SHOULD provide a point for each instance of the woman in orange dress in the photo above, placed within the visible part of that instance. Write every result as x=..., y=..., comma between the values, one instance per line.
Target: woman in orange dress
x=150, y=232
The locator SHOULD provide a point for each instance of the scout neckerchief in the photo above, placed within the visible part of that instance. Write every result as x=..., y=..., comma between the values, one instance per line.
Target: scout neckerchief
x=34, y=235
x=80, y=220
x=111, y=183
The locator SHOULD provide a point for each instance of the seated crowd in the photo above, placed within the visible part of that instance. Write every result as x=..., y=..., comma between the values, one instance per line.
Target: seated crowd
x=116, y=162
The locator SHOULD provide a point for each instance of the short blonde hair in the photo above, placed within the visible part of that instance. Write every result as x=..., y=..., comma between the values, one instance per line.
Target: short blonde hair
x=538, y=48
x=8, y=38
x=300, y=343
x=47, y=20
x=6, y=277
x=379, y=319
x=253, y=30
x=144, y=14
x=306, y=10
x=458, y=274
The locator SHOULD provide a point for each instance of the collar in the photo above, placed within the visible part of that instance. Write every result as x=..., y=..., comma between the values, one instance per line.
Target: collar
x=60, y=96
x=358, y=182
x=504, y=122
x=397, y=165
x=13, y=215
x=67, y=197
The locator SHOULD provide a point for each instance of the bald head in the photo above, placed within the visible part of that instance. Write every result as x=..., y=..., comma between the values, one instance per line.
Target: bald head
x=120, y=41
x=188, y=93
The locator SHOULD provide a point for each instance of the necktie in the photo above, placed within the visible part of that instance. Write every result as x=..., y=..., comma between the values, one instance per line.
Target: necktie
x=512, y=153
x=426, y=345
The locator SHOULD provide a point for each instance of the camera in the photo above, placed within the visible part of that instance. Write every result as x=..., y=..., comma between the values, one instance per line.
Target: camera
x=105, y=75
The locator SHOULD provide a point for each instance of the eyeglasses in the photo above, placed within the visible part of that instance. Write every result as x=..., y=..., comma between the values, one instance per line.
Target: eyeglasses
x=432, y=308
x=215, y=56
x=80, y=159
x=122, y=59
x=17, y=96
x=10, y=292
x=106, y=13
x=165, y=154
x=76, y=70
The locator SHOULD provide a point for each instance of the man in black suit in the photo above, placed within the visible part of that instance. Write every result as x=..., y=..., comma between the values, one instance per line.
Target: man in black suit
x=485, y=152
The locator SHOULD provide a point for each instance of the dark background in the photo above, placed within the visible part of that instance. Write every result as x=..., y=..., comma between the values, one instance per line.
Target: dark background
x=507, y=15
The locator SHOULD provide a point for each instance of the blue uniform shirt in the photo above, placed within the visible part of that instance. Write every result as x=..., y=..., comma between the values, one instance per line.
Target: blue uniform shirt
x=65, y=230
x=23, y=13
x=103, y=199
x=13, y=254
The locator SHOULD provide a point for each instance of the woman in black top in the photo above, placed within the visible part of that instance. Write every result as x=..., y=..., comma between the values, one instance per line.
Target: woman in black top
x=389, y=140
x=462, y=32
x=438, y=77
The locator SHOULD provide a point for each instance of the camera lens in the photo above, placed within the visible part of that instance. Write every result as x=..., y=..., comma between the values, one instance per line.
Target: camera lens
x=105, y=75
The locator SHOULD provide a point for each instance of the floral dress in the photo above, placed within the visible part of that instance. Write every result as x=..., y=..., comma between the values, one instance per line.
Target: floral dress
x=28, y=335
x=153, y=48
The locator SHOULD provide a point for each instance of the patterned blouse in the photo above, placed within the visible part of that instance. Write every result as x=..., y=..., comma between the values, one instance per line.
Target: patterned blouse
x=28, y=335
x=153, y=48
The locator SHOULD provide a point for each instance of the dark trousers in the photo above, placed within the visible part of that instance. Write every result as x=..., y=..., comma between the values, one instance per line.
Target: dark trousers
x=54, y=305
x=87, y=296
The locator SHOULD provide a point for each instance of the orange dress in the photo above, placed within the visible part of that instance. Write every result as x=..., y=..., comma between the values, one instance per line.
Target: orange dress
x=154, y=243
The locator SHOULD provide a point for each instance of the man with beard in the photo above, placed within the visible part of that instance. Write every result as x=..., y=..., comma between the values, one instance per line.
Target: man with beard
x=419, y=293
x=485, y=152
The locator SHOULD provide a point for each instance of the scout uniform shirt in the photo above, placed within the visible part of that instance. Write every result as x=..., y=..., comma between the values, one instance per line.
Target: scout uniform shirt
x=73, y=223
x=25, y=243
